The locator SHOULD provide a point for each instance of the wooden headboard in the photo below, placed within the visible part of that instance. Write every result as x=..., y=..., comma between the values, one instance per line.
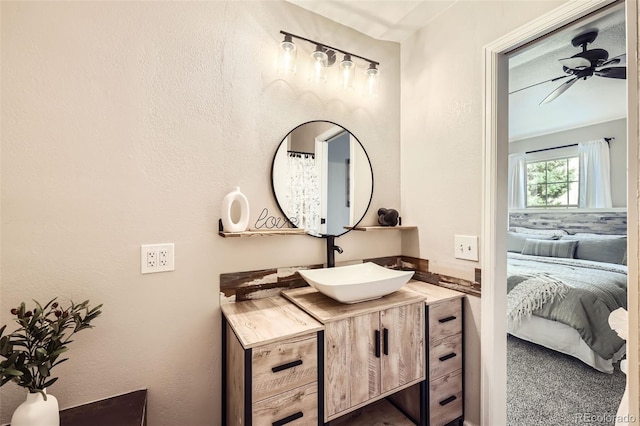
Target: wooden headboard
x=592, y=221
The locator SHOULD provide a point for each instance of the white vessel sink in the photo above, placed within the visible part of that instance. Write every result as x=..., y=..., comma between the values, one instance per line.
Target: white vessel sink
x=356, y=283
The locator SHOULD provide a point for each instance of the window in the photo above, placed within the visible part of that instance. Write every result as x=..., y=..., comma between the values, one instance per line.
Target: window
x=553, y=183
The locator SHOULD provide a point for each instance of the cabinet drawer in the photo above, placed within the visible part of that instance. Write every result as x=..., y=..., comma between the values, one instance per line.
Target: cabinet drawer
x=446, y=399
x=445, y=319
x=297, y=407
x=284, y=365
x=445, y=356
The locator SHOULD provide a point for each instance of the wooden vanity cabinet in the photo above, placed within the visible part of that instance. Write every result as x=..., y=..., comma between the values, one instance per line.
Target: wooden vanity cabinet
x=270, y=368
x=445, y=380
x=439, y=400
x=371, y=355
x=372, y=349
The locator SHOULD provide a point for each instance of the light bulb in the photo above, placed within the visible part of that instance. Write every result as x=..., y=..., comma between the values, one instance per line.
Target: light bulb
x=318, y=67
x=371, y=85
x=288, y=52
x=347, y=71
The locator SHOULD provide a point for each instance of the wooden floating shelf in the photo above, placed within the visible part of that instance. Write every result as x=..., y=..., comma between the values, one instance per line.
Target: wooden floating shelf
x=383, y=228
x=262, y=233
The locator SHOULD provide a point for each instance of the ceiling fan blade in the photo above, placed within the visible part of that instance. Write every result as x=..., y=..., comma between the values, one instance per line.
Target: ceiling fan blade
x=612, y=72
x=542, y=82
x=575, y=63
x=559, y=90
x=616, y=60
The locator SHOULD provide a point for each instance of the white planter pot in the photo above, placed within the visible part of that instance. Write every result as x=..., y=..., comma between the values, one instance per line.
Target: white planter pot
x=36, y=411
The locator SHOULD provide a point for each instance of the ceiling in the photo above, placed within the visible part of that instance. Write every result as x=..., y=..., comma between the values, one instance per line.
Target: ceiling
x=389, y=20
x=591, y=101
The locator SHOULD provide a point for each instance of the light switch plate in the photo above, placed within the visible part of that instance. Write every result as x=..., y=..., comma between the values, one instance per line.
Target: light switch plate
x=466, y=247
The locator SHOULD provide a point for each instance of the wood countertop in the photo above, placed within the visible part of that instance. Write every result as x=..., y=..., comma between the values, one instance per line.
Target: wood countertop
x=433, y=293
x=304, y=310
x=262, y=321
x=325, y=309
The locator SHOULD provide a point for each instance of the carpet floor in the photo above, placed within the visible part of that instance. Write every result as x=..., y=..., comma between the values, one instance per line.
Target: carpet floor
x=545, y=387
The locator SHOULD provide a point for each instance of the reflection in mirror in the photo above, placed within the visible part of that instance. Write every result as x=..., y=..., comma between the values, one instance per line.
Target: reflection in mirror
x=322, y=178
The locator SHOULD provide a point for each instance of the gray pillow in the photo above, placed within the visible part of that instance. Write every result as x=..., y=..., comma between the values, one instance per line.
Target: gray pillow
x=550, y=248
x=608, y=250
x=515, y=240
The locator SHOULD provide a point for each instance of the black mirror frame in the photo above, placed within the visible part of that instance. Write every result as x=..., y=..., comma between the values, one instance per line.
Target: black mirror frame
x=273, y=189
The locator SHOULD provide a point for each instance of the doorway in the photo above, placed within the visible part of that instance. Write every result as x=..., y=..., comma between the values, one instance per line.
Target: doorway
x=567, y=91
x=495, y=218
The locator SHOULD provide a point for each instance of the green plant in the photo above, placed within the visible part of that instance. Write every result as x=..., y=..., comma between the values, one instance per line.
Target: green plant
x=31, y=351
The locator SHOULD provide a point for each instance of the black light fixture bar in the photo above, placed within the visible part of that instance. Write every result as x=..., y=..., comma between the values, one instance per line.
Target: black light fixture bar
x=344, y=52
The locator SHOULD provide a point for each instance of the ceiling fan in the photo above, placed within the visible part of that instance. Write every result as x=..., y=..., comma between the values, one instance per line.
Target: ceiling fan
x=584, y=65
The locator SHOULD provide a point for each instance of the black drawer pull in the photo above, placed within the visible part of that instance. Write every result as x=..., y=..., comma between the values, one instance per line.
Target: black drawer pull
x=447, y=356
x=285, y=366
x=288, y=419
x=377, y=343
x=385, y=335
x=447, y=319
x=448, y=400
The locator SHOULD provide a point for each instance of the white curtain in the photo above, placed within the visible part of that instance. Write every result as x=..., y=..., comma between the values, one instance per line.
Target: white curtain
x=304, y=193
x=517, y=181
x=595, y=178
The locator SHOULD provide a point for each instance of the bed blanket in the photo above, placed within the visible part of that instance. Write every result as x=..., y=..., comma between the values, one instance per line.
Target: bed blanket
x=575, y=292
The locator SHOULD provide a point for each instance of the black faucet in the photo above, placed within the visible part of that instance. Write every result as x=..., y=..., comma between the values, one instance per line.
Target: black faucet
x=331, y=249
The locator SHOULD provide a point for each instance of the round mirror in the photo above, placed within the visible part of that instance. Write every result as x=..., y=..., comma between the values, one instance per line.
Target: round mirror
x=322, y=178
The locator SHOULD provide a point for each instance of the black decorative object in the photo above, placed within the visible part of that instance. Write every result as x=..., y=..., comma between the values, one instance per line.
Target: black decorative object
x=388, y=217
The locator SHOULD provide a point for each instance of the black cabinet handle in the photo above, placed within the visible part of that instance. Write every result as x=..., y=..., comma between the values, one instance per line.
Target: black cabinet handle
x=447, y=356
x=448, y=400
x=288, y=419
x=385, y=334
x=447, y=319
x=377, y=343
x=285, y=366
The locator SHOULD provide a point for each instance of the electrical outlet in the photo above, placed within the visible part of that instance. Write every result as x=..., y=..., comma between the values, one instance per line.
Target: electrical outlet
x=466, y=247
x=163, y=257
x=156, y=258
x=152, y=258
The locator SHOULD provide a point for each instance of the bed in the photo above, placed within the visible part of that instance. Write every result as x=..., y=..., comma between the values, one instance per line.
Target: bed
x=561, y=289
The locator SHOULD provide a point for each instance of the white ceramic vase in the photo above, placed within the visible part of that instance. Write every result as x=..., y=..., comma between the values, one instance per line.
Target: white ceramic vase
x=229, y=200
x=36, y=411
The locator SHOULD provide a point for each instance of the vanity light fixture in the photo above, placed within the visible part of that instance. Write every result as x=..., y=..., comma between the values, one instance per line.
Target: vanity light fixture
x=288, y=54
x=372, y=73
x=322, y=58
x=319, y=64
x=347, y=68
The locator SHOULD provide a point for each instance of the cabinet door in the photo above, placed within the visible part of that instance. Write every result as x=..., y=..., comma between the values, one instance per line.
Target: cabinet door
x=352, y=369
x=403, y=353
x=364, y=358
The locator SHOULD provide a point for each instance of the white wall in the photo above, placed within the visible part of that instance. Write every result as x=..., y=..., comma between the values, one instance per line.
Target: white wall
x=616, y=129
x=126, y=123
x=441, y=159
